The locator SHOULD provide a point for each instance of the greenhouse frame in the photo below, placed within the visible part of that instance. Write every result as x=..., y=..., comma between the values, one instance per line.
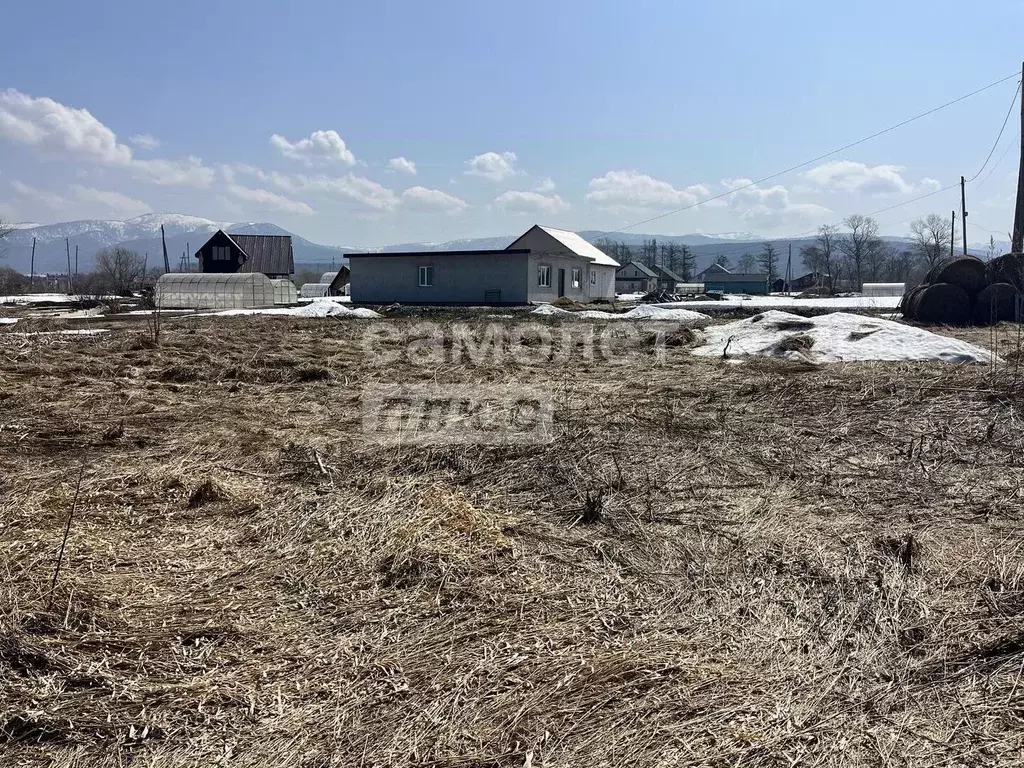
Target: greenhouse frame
x=252, y=290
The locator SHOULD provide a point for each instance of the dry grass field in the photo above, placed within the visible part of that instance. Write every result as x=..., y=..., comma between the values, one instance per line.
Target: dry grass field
x=766, y=564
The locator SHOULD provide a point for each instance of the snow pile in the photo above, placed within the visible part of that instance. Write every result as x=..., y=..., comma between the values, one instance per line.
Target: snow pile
x=644, y=312
x=8, y=320
x=733, y=301
x=79, y=332
x=838, y=337
x=316, y=308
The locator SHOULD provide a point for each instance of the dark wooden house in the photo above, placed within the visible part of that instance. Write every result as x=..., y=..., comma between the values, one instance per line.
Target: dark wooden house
x=270, y=254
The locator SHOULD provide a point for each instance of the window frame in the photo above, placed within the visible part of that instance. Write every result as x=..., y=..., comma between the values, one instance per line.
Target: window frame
x=593, y=277
x=543, y=275
x=577, y=278
x=426, y=275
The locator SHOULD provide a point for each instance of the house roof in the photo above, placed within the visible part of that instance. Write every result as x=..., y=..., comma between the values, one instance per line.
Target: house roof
x=269, y=254
x=643, y=268
x=575, y=244
x=740, y=277
x=666, y=272
x=431, y=254
x=714, y=269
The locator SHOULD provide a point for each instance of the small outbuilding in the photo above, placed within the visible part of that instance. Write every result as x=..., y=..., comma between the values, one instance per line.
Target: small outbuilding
x=270, y=255
x=736, y=282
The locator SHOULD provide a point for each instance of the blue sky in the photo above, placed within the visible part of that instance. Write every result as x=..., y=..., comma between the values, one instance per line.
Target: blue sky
x=374, y=123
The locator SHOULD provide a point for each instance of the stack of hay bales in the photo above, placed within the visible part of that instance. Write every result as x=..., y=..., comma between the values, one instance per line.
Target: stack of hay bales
x=967, y=291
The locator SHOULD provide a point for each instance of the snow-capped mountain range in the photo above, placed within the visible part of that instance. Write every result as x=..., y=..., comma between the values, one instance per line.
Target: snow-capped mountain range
x=186, y=233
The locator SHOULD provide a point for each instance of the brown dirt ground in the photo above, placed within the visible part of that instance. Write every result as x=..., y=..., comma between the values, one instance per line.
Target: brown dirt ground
x=786, y=565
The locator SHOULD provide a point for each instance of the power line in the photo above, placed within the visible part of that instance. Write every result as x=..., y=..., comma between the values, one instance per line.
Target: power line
x=1001, y=129
x=1002, y=157
x=816, y=159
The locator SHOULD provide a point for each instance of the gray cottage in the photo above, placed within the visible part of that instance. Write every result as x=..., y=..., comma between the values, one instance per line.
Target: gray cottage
x=635, y=277
x=541, y=265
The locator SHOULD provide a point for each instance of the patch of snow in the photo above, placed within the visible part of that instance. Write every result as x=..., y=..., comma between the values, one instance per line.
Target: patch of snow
x=77, y=332
x=838, y=337
x=317, y=308
x=32, y=298
x=339, y=299
x=778, y=302
x=642, y=312
x=8, y=320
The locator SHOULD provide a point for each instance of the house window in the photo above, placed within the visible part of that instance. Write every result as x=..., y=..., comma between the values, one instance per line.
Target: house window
x=426, y=277
x=577, y=278
x=221, y=253
x=593, y=277
x=544, y=277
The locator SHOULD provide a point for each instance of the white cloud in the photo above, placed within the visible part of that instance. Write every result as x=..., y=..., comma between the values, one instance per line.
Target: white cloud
x=49, y=199
x=423, y=200
x=96, y=201
x=349, y=187
x=320, y=147
x=402, y=165
x=629, y=190
x=523, y=203
x=144, y=141
x=492, y=165
x=850, y=176
x=189, y=172
x=544, y=186
x=56, y=130
x=771, y=209
x=121, y=205
x=931, y=185
x=263, y=197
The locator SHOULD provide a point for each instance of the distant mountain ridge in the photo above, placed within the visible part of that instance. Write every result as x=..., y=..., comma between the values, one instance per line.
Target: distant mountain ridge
x=187, y=233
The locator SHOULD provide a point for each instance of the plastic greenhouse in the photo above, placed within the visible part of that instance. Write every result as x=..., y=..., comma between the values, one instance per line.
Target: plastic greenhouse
x=284, y=291
x=314, y=290
x=252, y=290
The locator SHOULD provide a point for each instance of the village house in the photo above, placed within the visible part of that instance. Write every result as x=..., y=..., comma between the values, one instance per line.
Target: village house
x=270, y=255
x=541, y=265
x=635, y=277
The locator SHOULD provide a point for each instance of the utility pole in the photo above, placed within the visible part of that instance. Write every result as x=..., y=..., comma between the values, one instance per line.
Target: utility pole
x=963, y=210
x=67, y=247
x=1017, y=241
x=952, y=235
x=76, y=261
x=163, y=239
x=32, y=268
x=789, y=270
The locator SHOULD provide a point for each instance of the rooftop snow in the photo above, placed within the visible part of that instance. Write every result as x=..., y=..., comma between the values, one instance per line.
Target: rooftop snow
x=581, y=247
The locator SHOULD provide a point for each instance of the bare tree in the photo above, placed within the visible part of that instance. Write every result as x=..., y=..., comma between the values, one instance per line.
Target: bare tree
x=821, y=257
x=118, y=269
x=902, y=265
x=723, y=261
x=747, y=262
x=931, y=237
x=877, y=260
x=857, y=245
x=768, y=260
x=687, y=262
x=5, y=229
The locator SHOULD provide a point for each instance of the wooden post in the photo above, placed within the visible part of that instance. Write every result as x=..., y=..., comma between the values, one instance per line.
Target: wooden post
x=32, y=268
x=71, y=285
x=952, y=235
x=789, y=270
x=1017, y=241
x=963, y=210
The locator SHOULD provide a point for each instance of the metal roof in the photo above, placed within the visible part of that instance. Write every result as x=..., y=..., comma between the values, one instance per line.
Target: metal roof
x=640, y=267
x=269, y=254
x=574, y=243
x=666, y=272
x=738, y=277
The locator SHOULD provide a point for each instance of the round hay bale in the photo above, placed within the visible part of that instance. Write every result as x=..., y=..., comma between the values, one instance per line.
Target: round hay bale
x=908, y=304
x=942, y=304
x=968, y=272
x=996, y=303
x=1008, y=268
